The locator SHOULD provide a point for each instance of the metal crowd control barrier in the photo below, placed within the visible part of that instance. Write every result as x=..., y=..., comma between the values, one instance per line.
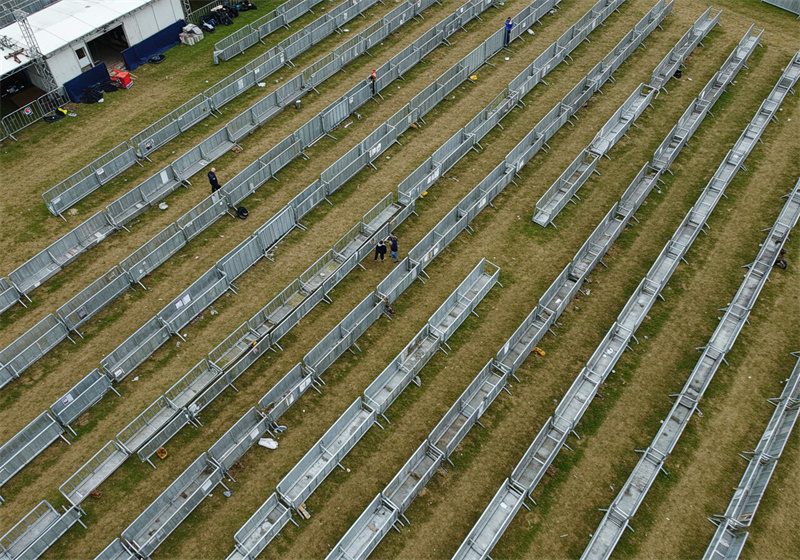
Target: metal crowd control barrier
x=204, y=291
x=155, y=252
x=323, y=26
x=229, y=448
x=89, y=179
x=144, y=426
x=788, y=5
x=27, y=444
x=117, y=550
x=284, y=394
x=48, y=262
x=32, y=112
x=19, y=537
x=94, y=472
x=89, y=301
x=364, y=535
x=135, y=349
x=394, y=379
x=326, y=454
x=343, y=336
x=565, y=188
x=466, y=411
x=161, y=517
x=258, y=531
x=680, y=52
x=367, y=531
x=37, y=531
x=633, y=492
x=77, y=400
x=530, y=469
x=9, y=295
x=413, y=476
x=164, y=179
x=492, y=523
x=730, y=536
x=473, y=193
x=35, y=343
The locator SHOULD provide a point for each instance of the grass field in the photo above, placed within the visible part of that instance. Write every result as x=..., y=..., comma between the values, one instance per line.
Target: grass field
x=705, y=466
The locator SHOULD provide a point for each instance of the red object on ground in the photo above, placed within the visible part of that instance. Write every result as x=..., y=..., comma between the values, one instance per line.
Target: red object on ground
x=122, y=79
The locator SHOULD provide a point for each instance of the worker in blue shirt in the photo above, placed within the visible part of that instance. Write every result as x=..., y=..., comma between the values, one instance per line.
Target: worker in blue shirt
x=509, y=26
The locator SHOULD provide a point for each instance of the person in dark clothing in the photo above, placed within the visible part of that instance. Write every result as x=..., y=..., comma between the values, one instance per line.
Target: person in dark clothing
x=212, y=178
x=374, y=79
x=393, y=240
x=380, y=249
x=509, y=26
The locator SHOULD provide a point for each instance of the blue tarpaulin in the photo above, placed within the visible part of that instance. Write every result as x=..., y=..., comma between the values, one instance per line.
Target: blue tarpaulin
x=159, y=43
x=76, y=87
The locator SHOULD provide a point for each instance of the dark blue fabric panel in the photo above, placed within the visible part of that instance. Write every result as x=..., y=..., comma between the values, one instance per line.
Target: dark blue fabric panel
x=159, y=43
x=78, y=85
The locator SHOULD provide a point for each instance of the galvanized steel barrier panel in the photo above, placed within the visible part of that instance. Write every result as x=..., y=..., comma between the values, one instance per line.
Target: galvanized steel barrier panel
x=160, y=439
x=8, y=295
x=238, y=260
x=90, y=178
x=191, y=384
x=117, y=550
x=154, y=525
x=204, y=291
x=144, y=426
x=400, y=278
x=93, y=473
x=393, y=380
x=284, y=393
x=77, y=400
x=135, y=349
x=276, y=228
x=152, y=254
x=263, y=526
x=203, y=215
x=308, y=199
x=35, y=343
x=93, y=298
x=52, y=533
x=367, y=531
x=684, y=48
x=343, y=335
x=455, y=309
x=492, y=523
x=238, y=439
x=27, y=444
x=788, y=5
x=49, y=261
x=413, y=476
x=20, y=536
x=296, y=314
x=325, y=455
x=32, y=112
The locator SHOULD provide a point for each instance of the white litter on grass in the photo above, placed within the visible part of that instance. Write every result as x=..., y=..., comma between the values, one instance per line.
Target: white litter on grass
x=690, y=79
x=346, y=30
x=135, y=378
x=506, y=58
x=269, y=443
x=262, y=84
x=163, y=206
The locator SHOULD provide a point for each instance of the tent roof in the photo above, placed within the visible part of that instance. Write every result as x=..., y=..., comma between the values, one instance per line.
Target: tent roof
x=64, y=22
